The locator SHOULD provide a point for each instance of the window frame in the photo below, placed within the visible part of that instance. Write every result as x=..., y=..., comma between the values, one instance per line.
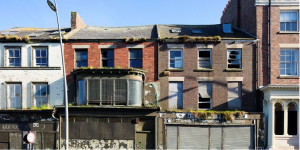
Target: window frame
x=285, y=62
x=80, y=51
x=7, y=56
x=201, y=59
x=33, y=91
x=169, y=59
x=210, y=100
x=7, y=97
x=102, y=50
x=297, y=21
x=240, y=60
x=35, y=57
x=239, y=93
x=136, y=58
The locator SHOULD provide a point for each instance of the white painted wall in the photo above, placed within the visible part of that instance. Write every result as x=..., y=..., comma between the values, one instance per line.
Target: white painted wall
x=26, y=77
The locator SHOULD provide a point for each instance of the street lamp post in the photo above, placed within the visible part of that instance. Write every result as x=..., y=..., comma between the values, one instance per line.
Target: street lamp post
x=54, y=8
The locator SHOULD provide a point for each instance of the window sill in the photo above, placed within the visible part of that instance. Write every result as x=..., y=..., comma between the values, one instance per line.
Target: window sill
x=288, y=77
x=204, y=70
x=30, y=68
x=175, y=70
x=234, y=70
x=288, y=32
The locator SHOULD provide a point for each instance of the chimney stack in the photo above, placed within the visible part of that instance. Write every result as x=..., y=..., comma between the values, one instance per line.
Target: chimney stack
x=76, y=21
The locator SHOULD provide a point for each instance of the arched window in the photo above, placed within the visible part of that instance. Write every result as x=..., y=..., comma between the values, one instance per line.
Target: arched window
x=292, y=119
x=279, y=119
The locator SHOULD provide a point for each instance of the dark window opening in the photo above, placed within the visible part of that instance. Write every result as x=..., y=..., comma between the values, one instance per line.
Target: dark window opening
x=107, y=58
x=204, y=99
x=81, y=59
x=233, y=66
x=204, y=54
x=279, y=119
x=135, y=58
x=204, y=105
x=234, y=59
x=292, y=119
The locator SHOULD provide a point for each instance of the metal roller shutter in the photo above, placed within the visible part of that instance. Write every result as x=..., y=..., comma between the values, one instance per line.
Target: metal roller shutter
x=171, y=137
x=238, y=138
x=193, y=137
x=216, y=138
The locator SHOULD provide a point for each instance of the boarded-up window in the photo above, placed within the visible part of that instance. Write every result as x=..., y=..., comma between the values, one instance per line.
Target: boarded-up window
x=205, y=95
x=234, y=95
x=175, y=95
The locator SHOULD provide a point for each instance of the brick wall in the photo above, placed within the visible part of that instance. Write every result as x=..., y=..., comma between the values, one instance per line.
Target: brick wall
x=121, y=59
x=219, y=86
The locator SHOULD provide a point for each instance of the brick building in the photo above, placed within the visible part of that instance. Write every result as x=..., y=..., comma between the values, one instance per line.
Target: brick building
x=276, y=24
x=108, y=70
x=207, y=67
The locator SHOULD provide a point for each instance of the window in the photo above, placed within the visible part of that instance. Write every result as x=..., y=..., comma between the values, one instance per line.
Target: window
x=204, y=58
x=175, y=95
x=234, y=95
x=175, y=59
x=135, y=58
x=40, y=96
x=234, y=59
x=41, y=57
x=107, y=58
x=289, y=62
x=204, y=95
x=14, y=95
x=81, y=59
x=109, y=92
x=14, y=57
x=289, y=21
x=279, y=119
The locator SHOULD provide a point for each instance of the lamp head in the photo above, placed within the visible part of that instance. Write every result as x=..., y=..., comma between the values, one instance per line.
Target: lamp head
x=51, y=5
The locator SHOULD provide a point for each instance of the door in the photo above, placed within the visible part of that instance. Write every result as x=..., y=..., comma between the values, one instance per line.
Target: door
x=175, y=95
x=144, y=140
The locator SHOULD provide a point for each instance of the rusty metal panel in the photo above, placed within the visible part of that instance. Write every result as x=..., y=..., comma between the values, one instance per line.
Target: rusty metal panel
x=4, y=146
x=189, y=137
x=4, y=137
x=49, y=140
x=15, y=140
x=172, y=137
x=128, y=131
x=117, y=131
x=88, y=130
x=105, y=131
x=38, y=138
x=238, y=137
x=73, y=130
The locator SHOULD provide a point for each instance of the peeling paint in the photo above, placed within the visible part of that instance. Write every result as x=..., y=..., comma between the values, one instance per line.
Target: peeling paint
x=99, y=144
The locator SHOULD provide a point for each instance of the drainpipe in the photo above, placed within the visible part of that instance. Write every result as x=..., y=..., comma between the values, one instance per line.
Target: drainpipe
x=269, y=44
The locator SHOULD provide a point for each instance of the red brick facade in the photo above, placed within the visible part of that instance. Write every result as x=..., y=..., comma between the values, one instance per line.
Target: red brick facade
x=254, y=19
x=121, y=58
x=219, y=83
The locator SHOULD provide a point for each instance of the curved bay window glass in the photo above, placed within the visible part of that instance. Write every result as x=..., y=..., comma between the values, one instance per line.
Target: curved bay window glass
x=292, y=119
x=109, y=91
x=279, y=119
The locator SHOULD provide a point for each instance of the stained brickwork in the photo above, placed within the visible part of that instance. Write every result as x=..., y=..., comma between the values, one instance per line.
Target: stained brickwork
x=219, y=86
x=121, y=58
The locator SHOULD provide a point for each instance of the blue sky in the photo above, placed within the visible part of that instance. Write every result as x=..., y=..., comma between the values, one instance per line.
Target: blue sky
x=110, y=13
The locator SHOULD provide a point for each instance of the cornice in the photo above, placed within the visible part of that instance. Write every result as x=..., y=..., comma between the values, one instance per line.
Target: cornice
x=279, y=88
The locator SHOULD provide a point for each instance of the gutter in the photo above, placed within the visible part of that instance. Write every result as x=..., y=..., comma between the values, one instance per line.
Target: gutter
x=269, y=44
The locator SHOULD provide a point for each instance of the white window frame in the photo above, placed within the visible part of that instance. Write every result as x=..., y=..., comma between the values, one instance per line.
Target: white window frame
x=285, y=11
x=35, y=57
x=8, y=100
x=286, y=62
x=7, y=54
x=205, y=58
x=240, y=59
x=175, y=59
x=34, y=92
x=210, y=100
